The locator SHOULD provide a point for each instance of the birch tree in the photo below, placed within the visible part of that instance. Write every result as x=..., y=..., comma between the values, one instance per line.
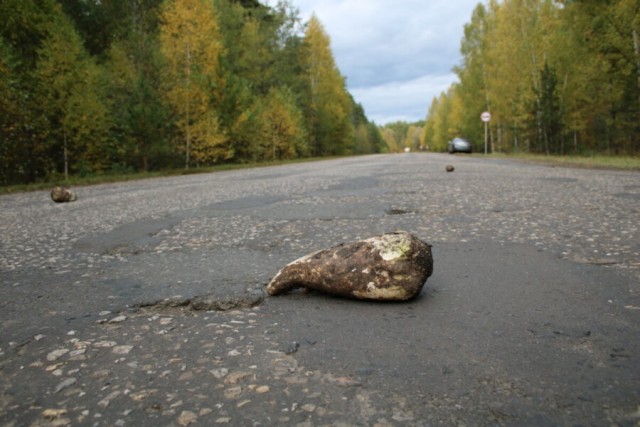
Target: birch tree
x=191, y=45
x=329, y=105
x=71, y=94
x=280, y=127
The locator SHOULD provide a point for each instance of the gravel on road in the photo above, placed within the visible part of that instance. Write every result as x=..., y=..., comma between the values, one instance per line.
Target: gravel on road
x=141, y=303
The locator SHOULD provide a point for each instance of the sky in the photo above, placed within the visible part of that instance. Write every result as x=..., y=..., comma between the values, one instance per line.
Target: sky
x=395, y=54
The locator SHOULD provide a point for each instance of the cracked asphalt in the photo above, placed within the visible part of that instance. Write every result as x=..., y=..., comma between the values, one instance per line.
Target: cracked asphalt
x=136, y=304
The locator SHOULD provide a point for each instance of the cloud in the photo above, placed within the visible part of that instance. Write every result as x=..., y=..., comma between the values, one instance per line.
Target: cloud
x=402, y=100
x=393, y=52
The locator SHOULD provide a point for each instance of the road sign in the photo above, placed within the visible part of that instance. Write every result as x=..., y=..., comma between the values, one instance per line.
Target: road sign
x=486, y=118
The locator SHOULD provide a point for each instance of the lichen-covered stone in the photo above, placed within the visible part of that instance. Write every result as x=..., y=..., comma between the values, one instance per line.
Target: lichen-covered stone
x=390, y=267
x=62, y=195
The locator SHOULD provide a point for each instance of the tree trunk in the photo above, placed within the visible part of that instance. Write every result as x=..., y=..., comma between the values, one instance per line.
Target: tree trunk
x=66, y=154
x=636, y=47
x=188, y=136
x=188, y=101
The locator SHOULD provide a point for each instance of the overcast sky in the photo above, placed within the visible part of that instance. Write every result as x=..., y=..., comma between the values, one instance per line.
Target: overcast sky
x=396, y=54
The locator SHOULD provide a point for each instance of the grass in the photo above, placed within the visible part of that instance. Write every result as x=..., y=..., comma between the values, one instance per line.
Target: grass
x=628, y=163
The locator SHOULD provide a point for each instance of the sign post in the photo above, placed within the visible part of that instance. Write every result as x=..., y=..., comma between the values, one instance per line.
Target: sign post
x=486, y=118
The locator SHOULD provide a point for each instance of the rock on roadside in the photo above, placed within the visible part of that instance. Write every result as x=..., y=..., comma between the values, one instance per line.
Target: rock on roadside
x=63, y=195
x=390, y=267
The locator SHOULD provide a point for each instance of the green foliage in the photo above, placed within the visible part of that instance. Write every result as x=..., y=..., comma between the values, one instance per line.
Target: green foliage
x=557, y=76
x=13, y=138
x=190, y=43
x=400, y=135
x=140, y=117
x=440, y=127
x=548, y=113
x=367, y=138
x=329, y=110
x=71, y=96
x=98, y=87
x=23, y=132
x=23, y=26
x=279, y=127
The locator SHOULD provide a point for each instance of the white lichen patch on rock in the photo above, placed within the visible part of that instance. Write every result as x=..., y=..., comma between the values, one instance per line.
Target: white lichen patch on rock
x=392, y=246
x=388, y=293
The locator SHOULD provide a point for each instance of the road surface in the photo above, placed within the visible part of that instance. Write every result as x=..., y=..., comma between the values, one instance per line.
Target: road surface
x=532, y=316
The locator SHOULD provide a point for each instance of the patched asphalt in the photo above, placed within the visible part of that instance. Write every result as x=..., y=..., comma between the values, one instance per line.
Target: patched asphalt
x=110, y=306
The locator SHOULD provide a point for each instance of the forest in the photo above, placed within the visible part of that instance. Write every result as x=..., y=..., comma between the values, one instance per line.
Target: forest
x=115, y=86
x=400, y=135
x=558, y=77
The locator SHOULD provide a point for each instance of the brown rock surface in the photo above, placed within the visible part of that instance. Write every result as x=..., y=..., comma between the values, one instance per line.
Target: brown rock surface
x=390, y=267
x=62, y=195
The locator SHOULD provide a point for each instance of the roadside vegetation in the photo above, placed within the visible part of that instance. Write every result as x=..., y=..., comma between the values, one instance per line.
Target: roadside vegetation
x=95, y=88
x=400, y=135
x=558, y=77
x=561, y=80
x=630, y=163
x=95, y=91
x=627, y=163
x=95, y=179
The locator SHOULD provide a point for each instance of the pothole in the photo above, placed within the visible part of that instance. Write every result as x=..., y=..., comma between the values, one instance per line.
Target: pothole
x=208, y=302
x=122, y=250
x=397, y=211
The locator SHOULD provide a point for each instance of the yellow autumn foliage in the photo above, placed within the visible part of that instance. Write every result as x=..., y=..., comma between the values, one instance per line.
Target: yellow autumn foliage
x=191, y=45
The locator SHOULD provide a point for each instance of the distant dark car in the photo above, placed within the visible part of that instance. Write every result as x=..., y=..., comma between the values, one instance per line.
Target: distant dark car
x=459, y=145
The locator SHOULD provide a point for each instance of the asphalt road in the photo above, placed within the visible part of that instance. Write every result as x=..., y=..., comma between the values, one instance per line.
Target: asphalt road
x=532, y=316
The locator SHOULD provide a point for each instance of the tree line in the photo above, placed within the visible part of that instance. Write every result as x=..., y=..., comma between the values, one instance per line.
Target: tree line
x=400, y=135
x=106, y=86
x=557, y=76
